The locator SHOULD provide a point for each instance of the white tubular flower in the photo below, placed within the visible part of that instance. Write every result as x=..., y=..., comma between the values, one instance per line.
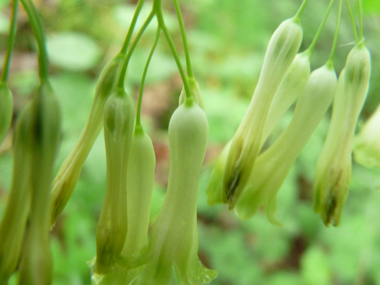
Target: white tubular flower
x=273, y=165
x=245, y=146
x=334, y=165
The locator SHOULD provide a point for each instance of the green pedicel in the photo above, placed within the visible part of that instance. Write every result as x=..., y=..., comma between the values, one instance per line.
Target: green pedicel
x=6, y=110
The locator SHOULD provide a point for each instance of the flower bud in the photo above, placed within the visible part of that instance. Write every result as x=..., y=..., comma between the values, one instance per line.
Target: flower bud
x=174, y=236
x=13, y=223
x=112, y=226
x=68, y=174
x=45, y=130
x=245, y=146
x=274, y=164
x=291, y=87
x=333, y=172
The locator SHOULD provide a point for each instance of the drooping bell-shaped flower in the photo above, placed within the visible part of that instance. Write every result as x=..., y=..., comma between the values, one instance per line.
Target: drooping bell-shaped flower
x=174, y=237
x=245, y=146
x=274, y=164
x=333, y=172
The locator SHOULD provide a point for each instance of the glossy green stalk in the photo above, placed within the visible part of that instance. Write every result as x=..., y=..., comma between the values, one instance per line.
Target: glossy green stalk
x=320, y=28
x=360, y=8
x=335, y=41
x=14, y=220
x=45, y=131
x=36, y=24
x=273, y=165
x=123, y=70
x=132, y=26
x=139, y=104
x=11, y=42
x=160, y=18
x=301, y=9
x=352, y=20
x=184, y=39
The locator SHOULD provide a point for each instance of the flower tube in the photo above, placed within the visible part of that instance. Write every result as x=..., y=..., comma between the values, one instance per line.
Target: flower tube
x=291, y=87
x=119, y=118
x=333, y=172
x=282, y=49
x=273, y=165
x=174, y=239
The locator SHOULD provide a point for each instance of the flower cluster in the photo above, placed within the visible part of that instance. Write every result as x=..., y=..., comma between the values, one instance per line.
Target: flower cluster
x=247, y=177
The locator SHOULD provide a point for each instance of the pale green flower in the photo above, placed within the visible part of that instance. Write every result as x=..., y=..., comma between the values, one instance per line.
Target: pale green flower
x=274, y=164
x=245, y=146
x=333, y=172
x=367, y=142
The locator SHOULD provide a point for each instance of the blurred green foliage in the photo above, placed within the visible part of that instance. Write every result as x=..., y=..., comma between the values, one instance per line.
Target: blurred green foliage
x=227, y=41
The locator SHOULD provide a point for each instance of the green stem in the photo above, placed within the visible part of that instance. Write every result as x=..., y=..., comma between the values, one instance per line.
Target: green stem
x=161, y=23
x=36, y=24
x=11, y=42
x=120, y=82
x=127, y=40
x=300, y=10
x=352, y=20
x=330, y=62
x=184, y=39
x=321, y=26
x=138, y=114
x=361, y=37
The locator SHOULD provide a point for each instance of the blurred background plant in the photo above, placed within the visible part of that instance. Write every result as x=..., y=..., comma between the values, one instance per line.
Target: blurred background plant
x=227, y=42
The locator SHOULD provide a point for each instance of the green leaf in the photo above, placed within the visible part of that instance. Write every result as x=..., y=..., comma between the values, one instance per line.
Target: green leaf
x=73, y=51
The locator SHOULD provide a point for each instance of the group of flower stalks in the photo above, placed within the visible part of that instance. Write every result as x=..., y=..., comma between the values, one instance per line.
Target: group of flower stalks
x=244, y=177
